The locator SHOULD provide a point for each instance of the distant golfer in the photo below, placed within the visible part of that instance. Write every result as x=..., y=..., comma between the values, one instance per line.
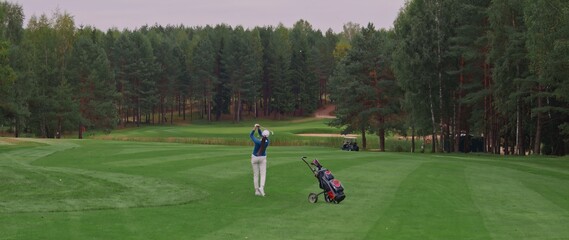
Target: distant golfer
x=259, y=159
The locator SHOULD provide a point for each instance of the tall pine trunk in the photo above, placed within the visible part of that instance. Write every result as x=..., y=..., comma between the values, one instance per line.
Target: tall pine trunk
x=173, y=108
x=381, y=133
x=519, y=130
x=161, y=110
x=457, y=128
x=413, y=138
x=433, y=121
x=209, y=109
x=80, y=136
x=138, y=114
x=537, y=144
x=440, y=76
x=17, y=127
x=191, y=110
x=487, y=107
x=458, y=110
x=364, y=140
x=382, y=139
x=256, y=109
x=184, y=102
x=209, y=99
x=237, y=108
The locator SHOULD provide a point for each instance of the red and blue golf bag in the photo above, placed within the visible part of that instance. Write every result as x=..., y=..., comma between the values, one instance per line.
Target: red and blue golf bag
x=332, y=188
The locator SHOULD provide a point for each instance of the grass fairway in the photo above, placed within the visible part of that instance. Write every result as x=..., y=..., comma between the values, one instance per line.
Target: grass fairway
x=224, y=133
x=94, y=189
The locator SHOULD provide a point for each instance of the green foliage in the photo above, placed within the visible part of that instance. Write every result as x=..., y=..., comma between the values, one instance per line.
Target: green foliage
x=364, y=89
x=11, y=19
x=304, y=81
x=467, y=46
x=484, y=68
x=243, y=63
x=414, y=63
x=547, y=46
x=279, y=71
x=447, y=68
x=94, y=83
x=202, y=71
x=47, y=46
x=7, y=74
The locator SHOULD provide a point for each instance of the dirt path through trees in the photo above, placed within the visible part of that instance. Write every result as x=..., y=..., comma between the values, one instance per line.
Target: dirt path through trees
x=325, y=112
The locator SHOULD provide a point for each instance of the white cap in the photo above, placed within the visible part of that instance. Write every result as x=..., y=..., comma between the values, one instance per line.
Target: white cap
x=266, y=133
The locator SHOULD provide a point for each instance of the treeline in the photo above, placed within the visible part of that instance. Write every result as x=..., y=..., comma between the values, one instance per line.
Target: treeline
x=485, y=75
x=494, y=72
x=58, y=77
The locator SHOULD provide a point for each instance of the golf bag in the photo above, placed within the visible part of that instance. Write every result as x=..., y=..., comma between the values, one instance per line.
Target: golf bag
x=332, y=188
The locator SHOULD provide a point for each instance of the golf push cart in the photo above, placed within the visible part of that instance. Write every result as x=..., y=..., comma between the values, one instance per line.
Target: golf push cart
x=331, y=188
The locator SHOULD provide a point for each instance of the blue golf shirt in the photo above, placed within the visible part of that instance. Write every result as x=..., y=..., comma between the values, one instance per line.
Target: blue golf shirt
x=258, y=144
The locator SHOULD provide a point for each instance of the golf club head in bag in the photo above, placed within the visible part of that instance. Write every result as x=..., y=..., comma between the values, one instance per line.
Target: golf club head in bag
x=316, y=163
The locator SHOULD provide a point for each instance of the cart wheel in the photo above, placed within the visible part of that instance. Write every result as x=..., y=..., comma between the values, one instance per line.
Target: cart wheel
x=312, y=198
x=326, y=198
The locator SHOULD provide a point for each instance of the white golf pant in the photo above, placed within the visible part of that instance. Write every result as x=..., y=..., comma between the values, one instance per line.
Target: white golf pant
x=259, y=170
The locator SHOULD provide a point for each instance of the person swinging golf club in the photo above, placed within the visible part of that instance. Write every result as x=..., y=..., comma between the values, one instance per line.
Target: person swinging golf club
x=259, y=159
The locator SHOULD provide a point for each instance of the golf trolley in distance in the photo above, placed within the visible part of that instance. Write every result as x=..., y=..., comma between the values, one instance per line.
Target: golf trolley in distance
x=332, y=188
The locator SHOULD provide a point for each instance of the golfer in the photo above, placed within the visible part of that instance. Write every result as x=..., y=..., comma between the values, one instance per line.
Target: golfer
x=259, y=159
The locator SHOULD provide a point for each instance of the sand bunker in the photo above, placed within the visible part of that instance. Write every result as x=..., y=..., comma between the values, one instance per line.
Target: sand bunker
x=326, y=135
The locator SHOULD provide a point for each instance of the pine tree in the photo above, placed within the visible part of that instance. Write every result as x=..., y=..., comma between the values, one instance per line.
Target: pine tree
x=279, y=72
x=202, y=71
x=547, y=45
x=364, y=87
x=510, y=75
x=91, y=76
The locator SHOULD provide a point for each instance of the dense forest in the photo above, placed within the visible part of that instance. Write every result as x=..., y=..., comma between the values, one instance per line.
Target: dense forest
x=460, y=72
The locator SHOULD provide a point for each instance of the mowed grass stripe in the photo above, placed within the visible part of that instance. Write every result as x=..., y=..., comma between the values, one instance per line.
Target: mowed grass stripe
x=29, y=188
x=27, y=155
x=169, y=156
x=519, y=204
x=547, y=176
x=287, y=187
x=428, y=196
x=291, y=210
x=547, y=166
x=432, y=202
x=63, y=189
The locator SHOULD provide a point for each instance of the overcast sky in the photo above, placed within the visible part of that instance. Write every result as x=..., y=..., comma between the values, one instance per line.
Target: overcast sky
x=131, y=14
